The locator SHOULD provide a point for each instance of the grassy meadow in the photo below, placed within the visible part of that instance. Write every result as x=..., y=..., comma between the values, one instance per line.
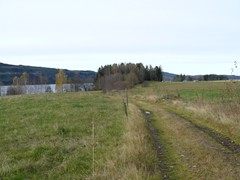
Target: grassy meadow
x=51, y=136
x=88, y=136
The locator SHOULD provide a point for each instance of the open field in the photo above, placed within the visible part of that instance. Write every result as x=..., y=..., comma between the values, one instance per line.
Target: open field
x=173, y=131
x=51, y=137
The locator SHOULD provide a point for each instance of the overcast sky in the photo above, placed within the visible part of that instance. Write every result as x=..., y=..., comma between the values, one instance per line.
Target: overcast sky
x=184, y=36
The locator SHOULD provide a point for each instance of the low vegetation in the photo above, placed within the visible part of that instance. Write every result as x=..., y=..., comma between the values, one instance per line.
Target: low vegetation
x=213, y=104
x=198, y=126
x=188, y=152
x=136, y=157
x=50, y=136
x=89, y=136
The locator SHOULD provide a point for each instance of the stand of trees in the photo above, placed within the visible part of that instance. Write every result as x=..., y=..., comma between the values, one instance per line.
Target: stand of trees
x=214, y=77
x=121, y=76
x=207, y=77
x=183, y=77
x=17, y=83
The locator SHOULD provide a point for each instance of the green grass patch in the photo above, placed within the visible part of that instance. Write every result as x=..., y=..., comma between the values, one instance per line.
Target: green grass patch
x=50, y=136
x=190, y=91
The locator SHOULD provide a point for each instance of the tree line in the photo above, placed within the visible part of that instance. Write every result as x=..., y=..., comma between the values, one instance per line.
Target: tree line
x=126, y=75
x=214, y=77
x=108, y=77
x=207, y=77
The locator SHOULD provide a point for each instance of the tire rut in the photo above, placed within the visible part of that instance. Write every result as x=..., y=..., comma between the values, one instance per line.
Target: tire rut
x=201, y=152
x=219, y=138
x=163, y=167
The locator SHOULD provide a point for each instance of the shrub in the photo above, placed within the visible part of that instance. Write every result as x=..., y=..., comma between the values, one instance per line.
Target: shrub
x=14, y=90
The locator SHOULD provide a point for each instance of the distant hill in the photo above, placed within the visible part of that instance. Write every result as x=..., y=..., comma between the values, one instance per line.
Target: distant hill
x=233, y=77
x=39, y=75
x=168, y=76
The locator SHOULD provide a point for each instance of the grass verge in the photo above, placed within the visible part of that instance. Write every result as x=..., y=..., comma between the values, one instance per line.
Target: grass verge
x=135, y=158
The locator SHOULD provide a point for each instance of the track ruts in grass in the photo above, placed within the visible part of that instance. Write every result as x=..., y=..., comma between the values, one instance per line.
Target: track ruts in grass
x=163, y=167
x=219, y=138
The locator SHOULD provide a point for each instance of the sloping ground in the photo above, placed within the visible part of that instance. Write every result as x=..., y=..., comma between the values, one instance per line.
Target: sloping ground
x=189, y=151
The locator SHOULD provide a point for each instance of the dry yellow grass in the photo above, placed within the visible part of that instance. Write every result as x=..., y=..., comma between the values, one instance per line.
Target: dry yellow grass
x=136, y=157
x=215, y=105
x=216, y=116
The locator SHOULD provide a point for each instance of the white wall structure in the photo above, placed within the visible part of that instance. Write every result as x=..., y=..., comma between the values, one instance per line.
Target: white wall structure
x=48, y=88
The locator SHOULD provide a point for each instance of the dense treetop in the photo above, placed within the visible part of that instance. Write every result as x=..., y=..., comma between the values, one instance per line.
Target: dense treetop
x=120, y=76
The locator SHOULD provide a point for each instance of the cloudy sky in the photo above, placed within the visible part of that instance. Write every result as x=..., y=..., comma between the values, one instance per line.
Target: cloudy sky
x=184, y=36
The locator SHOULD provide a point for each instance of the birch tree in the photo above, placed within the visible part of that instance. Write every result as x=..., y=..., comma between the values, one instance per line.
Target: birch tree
x=61, y=79
x=24, y=79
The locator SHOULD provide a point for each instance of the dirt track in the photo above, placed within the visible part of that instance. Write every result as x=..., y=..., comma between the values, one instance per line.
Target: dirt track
x=163, y=167
x=197, y=152
x=225, y=141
